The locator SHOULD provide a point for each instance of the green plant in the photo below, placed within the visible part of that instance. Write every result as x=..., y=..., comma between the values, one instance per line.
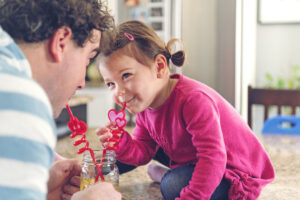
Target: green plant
x=291, y=82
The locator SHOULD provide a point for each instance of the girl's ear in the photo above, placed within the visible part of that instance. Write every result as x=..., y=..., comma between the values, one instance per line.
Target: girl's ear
x=58, y=42
x=161, y=65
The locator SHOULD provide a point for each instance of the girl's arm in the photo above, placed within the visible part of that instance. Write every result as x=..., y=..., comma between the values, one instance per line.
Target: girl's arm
x=139, y=149
x=133, y=151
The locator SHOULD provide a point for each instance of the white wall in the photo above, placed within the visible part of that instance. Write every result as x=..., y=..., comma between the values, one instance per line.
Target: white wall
x=226, y=49
x=278, y=48
x=199, y=32
x=208, y=33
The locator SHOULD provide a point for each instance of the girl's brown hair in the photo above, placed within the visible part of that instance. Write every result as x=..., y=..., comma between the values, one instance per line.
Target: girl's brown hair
x=145, y=46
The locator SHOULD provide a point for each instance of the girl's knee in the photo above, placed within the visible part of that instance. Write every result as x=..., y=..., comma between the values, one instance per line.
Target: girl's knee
x=171, y=185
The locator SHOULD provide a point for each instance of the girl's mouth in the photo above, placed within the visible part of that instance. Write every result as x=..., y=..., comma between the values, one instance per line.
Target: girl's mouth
x=129, y=101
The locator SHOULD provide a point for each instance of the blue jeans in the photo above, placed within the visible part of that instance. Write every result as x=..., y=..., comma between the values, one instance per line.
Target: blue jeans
x=176, y=179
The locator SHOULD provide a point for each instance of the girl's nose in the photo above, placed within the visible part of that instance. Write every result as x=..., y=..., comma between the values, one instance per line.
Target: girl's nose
x=121, y=93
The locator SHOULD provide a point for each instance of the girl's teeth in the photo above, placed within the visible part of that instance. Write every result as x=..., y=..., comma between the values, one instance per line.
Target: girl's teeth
x=121, y=99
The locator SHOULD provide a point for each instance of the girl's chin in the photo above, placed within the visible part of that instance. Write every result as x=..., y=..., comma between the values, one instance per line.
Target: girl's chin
x=131, y=111
x=135, y=110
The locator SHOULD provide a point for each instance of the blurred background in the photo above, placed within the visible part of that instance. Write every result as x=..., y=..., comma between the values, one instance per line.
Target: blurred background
x=230, y=44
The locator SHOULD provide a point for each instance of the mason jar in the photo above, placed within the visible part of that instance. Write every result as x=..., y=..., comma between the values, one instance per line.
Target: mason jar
x=109, y=169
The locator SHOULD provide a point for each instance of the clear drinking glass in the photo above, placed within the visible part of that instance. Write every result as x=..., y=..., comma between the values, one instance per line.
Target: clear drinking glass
x=109, y=169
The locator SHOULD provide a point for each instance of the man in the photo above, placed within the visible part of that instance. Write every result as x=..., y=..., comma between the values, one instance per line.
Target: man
x=45, y=46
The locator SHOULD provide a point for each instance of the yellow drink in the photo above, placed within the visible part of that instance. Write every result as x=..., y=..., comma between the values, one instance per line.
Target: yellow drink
x=85, y=183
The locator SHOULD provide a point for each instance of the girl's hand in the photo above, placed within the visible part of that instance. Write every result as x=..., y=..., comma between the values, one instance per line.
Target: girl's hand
x=104, y=134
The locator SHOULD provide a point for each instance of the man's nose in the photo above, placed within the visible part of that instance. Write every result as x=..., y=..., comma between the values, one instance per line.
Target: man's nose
x=81, y=85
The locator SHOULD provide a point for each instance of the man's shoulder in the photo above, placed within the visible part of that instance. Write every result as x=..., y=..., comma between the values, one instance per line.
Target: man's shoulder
x=17, y=85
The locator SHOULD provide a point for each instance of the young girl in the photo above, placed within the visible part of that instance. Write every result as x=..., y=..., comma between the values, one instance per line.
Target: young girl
x=210, y=151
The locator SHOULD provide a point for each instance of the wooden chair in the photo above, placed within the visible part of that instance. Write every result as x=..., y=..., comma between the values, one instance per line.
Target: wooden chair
x=272, y=97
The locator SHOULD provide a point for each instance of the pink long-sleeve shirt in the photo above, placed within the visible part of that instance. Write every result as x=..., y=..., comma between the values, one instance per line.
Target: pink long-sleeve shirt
x=195, y=125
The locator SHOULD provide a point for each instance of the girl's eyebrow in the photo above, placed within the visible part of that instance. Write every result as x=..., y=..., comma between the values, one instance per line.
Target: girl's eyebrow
x=122, y=70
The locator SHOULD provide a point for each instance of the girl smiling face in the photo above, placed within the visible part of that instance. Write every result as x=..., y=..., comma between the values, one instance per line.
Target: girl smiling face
x=132, y=82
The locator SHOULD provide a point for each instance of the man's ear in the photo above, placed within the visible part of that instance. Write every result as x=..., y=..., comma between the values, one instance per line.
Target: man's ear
x=161, y=65
x=59, y=41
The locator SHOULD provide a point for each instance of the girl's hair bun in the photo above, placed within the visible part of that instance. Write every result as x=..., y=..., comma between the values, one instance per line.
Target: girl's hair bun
x=178, y=58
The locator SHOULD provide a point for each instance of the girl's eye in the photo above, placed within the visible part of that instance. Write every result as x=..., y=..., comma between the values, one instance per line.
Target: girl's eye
x=126, y=75
x=110, y=84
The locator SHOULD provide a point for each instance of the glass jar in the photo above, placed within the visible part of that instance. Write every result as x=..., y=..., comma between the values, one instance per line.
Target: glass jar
x=109, y=169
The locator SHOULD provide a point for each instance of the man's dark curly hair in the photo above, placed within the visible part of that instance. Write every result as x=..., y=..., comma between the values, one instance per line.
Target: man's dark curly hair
x=33, y=21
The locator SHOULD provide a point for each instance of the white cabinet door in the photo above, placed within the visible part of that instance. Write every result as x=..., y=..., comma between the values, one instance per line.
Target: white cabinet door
x=97, y=109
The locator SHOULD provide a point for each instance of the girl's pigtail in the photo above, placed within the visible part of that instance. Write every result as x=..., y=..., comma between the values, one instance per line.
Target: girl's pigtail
x=178, y=57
